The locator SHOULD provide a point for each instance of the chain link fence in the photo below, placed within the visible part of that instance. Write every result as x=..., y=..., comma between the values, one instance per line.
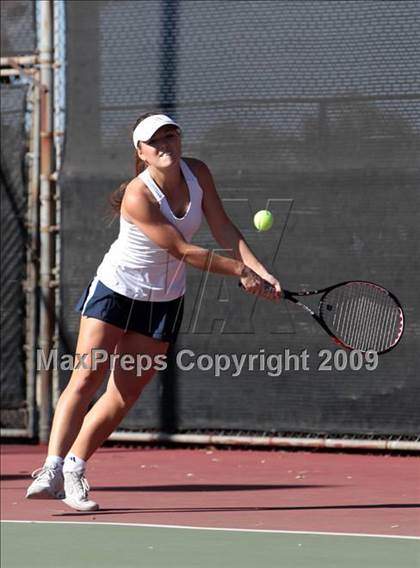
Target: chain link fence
x=18, y=43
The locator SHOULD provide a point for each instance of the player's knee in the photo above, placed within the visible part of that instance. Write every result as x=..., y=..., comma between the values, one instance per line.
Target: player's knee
x=85, y=384
x=127, y=389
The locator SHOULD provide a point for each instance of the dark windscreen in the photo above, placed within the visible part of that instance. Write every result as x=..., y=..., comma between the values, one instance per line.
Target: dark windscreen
x=310, y=106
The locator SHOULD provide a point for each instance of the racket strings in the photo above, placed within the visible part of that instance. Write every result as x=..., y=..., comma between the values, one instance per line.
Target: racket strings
x=363, y=316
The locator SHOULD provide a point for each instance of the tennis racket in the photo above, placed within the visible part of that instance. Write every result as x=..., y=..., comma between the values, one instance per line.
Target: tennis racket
x=356, y=314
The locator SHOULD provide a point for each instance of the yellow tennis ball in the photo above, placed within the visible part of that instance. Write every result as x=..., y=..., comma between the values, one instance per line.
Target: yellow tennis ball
x=263, y=220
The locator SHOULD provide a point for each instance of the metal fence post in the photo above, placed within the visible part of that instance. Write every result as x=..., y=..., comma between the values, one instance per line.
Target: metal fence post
x=47, y=225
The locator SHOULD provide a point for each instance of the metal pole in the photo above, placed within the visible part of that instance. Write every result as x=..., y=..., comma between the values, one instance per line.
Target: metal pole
x=47, y=167
x=31, y=287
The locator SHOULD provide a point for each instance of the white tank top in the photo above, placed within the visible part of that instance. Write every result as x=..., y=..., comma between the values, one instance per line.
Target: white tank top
x=136, y=266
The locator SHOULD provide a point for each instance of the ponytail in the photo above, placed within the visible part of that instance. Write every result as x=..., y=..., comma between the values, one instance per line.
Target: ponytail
x=117, y=195
x=116, y=198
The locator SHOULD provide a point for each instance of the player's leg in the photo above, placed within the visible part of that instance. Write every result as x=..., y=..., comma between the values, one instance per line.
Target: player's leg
x=123, y=389
x=73, y=403
x=94, y=336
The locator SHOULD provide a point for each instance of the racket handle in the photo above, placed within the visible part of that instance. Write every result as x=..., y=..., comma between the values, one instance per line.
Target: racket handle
x=267, y=286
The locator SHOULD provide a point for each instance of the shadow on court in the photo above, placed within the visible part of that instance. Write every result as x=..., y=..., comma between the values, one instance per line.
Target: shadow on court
x=13, y=477
x=207, y=488
x=133, y=510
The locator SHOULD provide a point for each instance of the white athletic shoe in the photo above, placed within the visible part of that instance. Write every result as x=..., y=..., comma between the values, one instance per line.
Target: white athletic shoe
x=76, y=489
x=48, y=484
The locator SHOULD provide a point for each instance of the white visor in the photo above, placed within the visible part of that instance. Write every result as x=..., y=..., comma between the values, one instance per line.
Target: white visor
x=147, y=127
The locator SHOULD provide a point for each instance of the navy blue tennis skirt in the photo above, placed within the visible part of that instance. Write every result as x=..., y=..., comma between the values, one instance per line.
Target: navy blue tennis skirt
x=160, y=320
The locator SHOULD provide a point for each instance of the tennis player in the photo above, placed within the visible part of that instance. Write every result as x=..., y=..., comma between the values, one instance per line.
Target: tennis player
x=134, y=304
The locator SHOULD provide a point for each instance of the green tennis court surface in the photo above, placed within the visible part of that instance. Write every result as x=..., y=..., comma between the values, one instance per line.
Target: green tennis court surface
x=72, y=545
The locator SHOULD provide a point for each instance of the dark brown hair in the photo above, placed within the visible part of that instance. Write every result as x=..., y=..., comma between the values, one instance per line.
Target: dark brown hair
x=117, y=195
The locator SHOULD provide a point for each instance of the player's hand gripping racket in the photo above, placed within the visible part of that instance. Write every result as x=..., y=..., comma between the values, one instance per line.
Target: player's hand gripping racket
x=357, y=314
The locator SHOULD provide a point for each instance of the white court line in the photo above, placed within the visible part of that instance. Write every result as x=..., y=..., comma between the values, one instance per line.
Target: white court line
x=227, y=529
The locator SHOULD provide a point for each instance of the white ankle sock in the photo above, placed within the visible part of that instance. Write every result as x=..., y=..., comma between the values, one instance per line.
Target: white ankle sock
x=54, y=461
x=73, y=464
